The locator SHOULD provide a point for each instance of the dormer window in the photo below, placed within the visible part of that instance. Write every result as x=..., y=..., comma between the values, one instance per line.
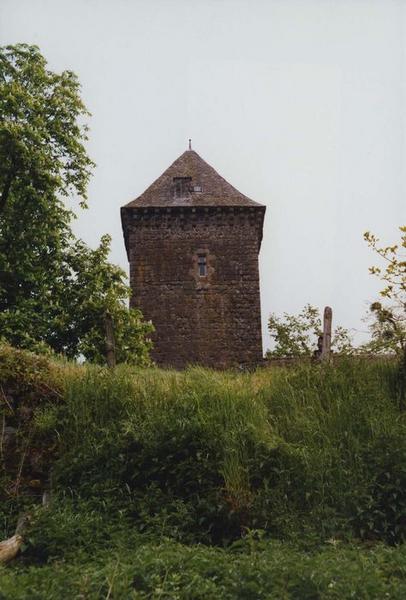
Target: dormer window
x=202, y=265
x=181, y=186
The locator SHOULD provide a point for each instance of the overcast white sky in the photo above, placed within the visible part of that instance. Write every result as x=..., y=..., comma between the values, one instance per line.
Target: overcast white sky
x=300, y=104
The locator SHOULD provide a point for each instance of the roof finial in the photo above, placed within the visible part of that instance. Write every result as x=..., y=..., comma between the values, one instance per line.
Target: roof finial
x=190, y=144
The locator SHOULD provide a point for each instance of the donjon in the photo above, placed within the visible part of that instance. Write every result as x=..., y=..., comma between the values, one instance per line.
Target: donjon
x=192, y=242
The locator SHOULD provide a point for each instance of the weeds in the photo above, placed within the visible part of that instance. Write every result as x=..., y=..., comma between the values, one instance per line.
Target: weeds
x=153, y=459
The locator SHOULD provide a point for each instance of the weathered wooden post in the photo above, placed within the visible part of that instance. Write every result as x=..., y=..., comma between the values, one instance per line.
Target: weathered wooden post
x=327, y=321
x=110, y=342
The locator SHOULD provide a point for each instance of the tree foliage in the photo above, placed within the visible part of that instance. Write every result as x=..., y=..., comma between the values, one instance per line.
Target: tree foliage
x=95, y=287
x=54, y=290
x=388, y=327
x=297, y=335
x=41, y=132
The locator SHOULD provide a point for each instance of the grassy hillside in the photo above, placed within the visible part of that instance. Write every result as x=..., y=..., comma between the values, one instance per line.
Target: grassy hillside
x=285, y=483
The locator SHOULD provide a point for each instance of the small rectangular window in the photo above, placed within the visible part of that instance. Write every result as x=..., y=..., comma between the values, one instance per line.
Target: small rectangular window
x=202, y=264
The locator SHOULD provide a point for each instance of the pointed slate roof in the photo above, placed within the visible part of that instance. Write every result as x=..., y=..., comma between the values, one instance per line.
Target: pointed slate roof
x=215, y=190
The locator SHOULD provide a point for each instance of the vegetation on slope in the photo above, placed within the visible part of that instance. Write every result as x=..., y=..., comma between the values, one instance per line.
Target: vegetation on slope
x=147, y=463
x=167, y=569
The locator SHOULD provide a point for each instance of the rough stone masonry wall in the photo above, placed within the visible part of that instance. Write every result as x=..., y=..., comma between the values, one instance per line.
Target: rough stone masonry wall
x=213, y=320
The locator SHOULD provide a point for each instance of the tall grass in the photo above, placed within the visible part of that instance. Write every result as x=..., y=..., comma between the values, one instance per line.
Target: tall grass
x=279, y=449
x=144, y=458
x=209, y=455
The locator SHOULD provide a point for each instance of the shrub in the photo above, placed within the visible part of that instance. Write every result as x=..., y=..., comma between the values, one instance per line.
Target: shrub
x=202, y=456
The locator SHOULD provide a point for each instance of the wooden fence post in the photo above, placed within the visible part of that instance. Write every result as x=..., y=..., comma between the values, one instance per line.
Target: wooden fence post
x=110, y=342
x=327, y=321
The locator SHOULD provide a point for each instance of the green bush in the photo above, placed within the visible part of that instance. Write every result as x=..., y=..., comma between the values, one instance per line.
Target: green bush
x=31, y=390
x=260, y=570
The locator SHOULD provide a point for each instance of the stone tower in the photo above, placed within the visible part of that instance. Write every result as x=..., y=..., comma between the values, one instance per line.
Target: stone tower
x=192, y=241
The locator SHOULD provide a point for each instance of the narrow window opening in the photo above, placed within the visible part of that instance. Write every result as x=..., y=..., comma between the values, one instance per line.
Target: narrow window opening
x=202, y=265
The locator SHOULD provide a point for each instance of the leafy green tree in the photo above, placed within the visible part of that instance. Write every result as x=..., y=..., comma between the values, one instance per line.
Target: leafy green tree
x=54, y=290
x=41, y=130
x=388, y=327
x=297, y=335
x=91, y=287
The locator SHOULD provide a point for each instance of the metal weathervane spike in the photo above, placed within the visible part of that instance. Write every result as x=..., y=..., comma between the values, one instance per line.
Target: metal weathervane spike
x=190, y=144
